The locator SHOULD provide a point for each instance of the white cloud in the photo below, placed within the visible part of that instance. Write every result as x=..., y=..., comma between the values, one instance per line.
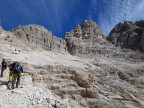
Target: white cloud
x=109, y=13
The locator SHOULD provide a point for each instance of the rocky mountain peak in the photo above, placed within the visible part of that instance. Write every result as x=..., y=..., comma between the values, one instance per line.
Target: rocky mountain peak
x=84, y=40
x=87, y=30
x=128, y=35
x=125, y=26
x=140, y=23
x=89, y=24
x=37, y=36
x=77, y=27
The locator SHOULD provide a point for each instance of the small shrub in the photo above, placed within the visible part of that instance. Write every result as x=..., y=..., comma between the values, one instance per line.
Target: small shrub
x=80, y=81
x=89, y=94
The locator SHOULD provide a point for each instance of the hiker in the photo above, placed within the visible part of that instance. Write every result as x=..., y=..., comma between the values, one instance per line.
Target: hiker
x=4, y=66
x=16, y=71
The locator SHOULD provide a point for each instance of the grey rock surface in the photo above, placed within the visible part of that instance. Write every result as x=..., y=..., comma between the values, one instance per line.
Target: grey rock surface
x=128, y=35
x=85, y=39
x=142, y=41
x=36, y=36
x=88, y=41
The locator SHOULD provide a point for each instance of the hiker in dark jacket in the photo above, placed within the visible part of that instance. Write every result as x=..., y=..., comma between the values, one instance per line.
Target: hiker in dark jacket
x=16, y=70
x=4, y=66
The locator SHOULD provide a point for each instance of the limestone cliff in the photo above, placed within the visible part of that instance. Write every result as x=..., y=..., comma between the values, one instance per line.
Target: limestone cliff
x=128, y=35
x=85, y=39
x=37, y=36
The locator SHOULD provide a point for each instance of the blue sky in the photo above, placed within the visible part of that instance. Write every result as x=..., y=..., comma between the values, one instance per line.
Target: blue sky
x=60, y=16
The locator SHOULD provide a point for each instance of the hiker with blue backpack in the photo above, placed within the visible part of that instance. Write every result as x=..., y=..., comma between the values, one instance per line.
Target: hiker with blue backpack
x=16, y=71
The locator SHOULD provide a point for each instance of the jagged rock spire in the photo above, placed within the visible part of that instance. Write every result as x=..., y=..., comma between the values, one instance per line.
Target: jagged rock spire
x=87, y=30
x=128, y=35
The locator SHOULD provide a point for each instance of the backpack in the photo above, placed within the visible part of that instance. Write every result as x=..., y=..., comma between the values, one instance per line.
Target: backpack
x=17, y=68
